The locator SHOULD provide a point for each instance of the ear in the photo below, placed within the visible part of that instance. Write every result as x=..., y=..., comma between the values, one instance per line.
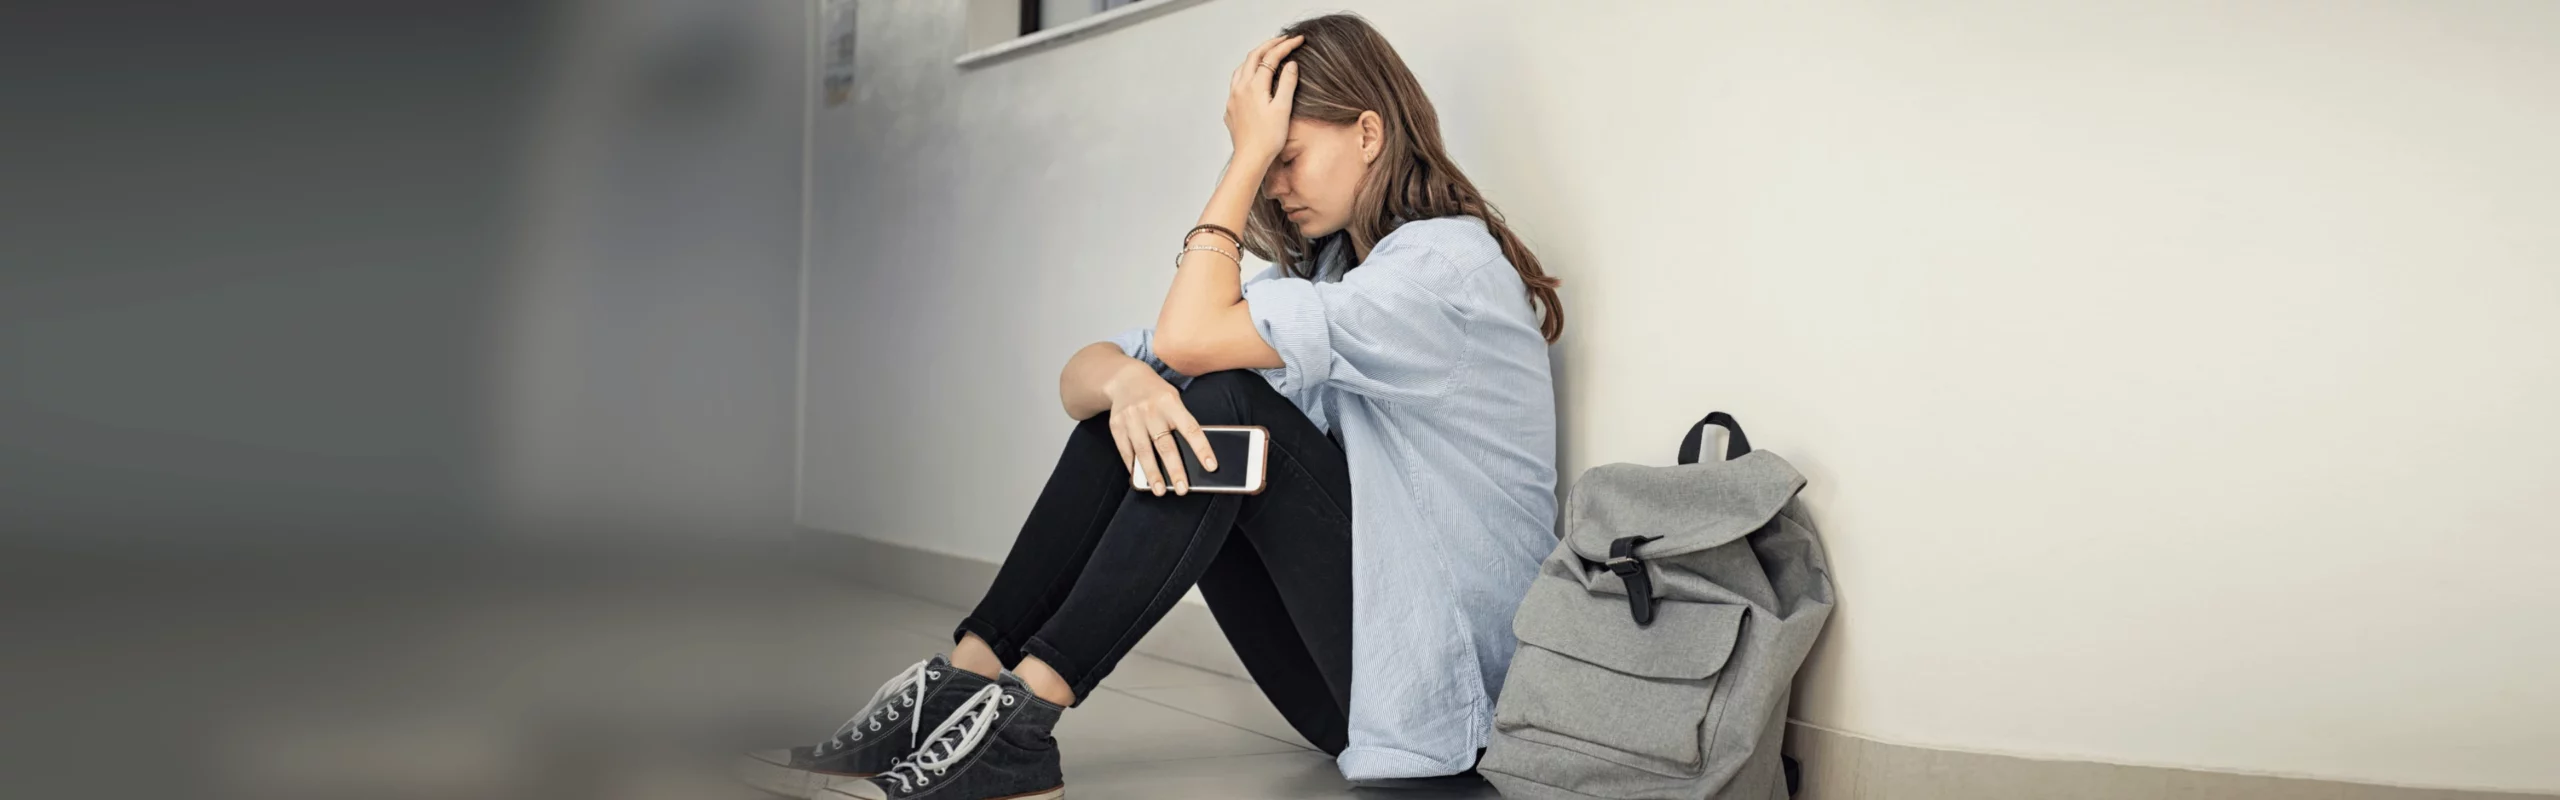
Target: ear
x=1373, y=136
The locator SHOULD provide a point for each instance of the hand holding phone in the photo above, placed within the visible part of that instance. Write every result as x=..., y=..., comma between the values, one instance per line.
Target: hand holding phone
x=1157, y=438
x=1242, y=452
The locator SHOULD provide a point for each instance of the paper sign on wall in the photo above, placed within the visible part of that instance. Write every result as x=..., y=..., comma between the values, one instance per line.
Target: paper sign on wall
x=837, y=18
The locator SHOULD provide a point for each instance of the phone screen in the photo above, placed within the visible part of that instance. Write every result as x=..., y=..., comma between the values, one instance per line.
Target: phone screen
x=1233, y=447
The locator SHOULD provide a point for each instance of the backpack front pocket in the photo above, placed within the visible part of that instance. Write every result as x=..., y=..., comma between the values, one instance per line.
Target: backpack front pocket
x=1586, y=678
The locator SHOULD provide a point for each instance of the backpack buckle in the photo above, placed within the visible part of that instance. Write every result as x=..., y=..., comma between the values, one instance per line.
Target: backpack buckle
x=1631, y=571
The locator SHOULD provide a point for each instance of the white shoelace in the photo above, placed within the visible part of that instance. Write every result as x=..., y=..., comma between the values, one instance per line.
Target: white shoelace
x=957, y=737
x=905, y=690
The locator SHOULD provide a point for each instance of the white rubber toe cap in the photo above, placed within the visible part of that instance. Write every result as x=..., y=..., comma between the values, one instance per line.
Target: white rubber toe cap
x=859, y=790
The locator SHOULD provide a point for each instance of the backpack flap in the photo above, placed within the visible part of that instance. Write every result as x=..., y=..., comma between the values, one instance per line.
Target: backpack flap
x=1689, y=641
x=1685, y=508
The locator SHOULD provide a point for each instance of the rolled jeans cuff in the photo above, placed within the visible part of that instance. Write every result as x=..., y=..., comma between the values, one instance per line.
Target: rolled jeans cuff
x=1006, y=650
x=1073, y=673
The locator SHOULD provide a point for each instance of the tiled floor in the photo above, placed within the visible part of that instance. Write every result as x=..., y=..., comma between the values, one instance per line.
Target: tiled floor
x=1155, y=729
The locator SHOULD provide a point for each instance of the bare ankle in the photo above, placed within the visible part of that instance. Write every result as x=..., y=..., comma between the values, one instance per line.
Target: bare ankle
x=973, y=654
x=1045, y=682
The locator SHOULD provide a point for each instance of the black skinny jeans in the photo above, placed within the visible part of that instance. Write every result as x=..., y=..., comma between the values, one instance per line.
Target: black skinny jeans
x=1098, y=563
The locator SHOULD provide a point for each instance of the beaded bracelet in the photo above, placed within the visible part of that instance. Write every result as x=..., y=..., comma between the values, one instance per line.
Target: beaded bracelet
x=1177, y=257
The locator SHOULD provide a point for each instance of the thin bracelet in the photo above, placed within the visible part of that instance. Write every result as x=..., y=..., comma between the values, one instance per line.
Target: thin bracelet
x=1177, y=257
x=1220, y=230
x=1211, y=226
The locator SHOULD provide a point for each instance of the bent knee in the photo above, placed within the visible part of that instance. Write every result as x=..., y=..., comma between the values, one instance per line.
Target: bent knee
x=1225, y=380
x=1222, y=397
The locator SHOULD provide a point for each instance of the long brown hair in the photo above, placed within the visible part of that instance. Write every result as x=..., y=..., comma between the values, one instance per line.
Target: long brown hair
x=1345, y=67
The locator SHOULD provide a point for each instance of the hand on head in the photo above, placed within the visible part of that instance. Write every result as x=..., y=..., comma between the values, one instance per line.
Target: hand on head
x=1259, y=95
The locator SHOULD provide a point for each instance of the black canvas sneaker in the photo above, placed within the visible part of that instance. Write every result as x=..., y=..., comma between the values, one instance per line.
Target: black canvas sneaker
x=995, y=747
x=889, y=726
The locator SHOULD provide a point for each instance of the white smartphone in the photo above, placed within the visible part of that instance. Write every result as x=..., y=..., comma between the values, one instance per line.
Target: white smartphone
x=1242, y=451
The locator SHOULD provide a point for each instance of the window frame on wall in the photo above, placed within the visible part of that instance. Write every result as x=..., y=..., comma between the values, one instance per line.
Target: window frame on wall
x=1034, y=18
x=1000, y=30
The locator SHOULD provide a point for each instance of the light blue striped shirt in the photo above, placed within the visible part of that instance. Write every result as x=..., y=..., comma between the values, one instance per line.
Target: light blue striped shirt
x=1426, y=362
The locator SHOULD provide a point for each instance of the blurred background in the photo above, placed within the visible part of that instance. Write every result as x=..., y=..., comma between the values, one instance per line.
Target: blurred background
x=523, y=382
x=389, y=383
x=404, y=270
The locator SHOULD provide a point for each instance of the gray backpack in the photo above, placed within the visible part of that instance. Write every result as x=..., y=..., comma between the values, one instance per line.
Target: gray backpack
x=1659, y=641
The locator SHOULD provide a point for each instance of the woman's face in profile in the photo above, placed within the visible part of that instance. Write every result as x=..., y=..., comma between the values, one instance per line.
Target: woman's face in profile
x=1318, y=173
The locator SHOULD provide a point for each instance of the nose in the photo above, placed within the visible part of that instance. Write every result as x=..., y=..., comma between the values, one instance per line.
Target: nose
x=1274, y=185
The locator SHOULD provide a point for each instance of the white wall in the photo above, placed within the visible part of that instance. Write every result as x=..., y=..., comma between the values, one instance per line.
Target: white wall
x=2173, y=378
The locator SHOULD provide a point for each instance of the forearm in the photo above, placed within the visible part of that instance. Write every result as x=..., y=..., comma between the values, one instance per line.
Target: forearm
x=1206, y=300
x=1083, y=387
x=1238, y=185
x=1208, y=283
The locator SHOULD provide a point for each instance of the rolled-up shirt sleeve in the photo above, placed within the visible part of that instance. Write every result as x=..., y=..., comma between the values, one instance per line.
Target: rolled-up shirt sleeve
x=1139, y=343
x=1389, y=329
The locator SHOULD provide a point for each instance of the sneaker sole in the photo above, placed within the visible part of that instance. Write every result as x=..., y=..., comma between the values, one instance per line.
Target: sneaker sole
x=1052, y=793
x=783, y=780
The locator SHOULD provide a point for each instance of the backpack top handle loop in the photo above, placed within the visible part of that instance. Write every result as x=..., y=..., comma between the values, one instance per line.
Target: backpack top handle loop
x=1735, y=445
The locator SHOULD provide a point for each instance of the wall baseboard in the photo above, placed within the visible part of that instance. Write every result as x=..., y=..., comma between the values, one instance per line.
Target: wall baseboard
x=1837, y=765
x=1845, y=766
x=1188, y=634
